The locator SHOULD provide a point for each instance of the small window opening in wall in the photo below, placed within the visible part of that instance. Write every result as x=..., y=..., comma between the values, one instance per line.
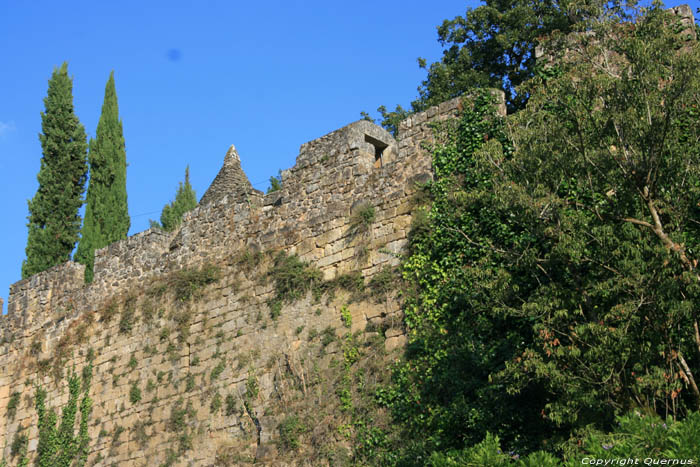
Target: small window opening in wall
x=379, y=148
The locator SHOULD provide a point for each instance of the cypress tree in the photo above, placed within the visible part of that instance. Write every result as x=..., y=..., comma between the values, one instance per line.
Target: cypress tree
x=54, y=219
x=107, y=214
x=185, y=200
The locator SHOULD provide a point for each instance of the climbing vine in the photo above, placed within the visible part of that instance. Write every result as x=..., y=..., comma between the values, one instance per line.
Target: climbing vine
x=58, y=444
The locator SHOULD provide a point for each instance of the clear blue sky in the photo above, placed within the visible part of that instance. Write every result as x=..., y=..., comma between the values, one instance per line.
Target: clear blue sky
x=194, y=77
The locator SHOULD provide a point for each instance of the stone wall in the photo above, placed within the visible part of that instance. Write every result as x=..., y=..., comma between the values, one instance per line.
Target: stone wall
x=183, y=353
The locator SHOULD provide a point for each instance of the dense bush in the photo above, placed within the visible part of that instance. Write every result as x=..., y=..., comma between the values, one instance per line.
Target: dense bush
x=553, y=280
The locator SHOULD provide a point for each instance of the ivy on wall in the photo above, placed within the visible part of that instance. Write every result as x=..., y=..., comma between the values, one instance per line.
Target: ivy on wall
x=59, y=445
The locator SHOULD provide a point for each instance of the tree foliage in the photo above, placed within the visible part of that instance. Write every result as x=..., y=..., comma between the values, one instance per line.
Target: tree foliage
x=635, y=436
x=612, y=155
x=555, y=283
x=275, y=182
x=106, y=214
x=185, y=200
x=491, y=46
x=494, y=45
x=54, y=220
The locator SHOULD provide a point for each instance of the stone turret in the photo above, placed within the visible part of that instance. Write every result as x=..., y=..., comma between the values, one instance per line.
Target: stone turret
x=231, y=180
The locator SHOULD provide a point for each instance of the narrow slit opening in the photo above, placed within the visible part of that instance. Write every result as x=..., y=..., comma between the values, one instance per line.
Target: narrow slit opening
x=379, y=148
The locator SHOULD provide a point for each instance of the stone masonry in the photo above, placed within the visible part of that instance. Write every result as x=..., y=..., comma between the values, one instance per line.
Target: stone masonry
x=183, y=354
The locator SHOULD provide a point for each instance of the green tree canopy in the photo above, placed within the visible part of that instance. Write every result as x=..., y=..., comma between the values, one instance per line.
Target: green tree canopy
x=554, y=277
x=106, y=215
x=54, y=220
x=493, y=46
x=275, y=182
x=185, y=200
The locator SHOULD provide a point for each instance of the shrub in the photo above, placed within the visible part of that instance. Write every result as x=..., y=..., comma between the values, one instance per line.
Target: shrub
x=230, y=404
x=327, y=336
x=313, y=334
x=135, y=393
x=109, y=311
x=188, y=283
x=384, y=282
x=289, y=429
x=362, y=218
x=189, y=383
x=293, y=277
x=252, y=388
x=275, y=308
x=217, y=370
x=215, y=403
x=12, y=405
x=353, y=282
x=19, y=445
x=346, y=316
x=128, y=318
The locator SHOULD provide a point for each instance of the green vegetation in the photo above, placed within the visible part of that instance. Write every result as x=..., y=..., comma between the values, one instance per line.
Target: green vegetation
x=179, y=425
x=140, y=433
x=251, y=387
x=552, y=281
x=216, y=403
x=18, y=448
x=118, y=430
x=346, y=316
x=217, y=370
x=384, y=282
x=135, y=393
x=185, y=200
x=635, y=436
x=231, y=405
x=128, y=316
x=188, y=283
x=54, y=221
x=493, y=46
x=327, y=336
x=12, y=405
x=106, y=214
x=133, y=363
x=362, y=218
x=275, y=183
x=292, y=277
x=289, y=429
x=59, y=445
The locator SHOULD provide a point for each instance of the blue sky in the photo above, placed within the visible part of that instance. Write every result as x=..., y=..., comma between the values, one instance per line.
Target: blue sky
x=195, y=77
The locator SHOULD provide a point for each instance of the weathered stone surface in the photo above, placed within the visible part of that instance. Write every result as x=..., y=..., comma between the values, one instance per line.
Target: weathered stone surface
x=224, y=345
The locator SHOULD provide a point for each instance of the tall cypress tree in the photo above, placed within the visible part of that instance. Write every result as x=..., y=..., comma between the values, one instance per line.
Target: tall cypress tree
x=185, y=200
x=106, y=215
x=54, y=220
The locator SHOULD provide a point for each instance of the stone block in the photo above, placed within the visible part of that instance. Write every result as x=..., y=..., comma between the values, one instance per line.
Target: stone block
x=394, y=343
x=328, y=260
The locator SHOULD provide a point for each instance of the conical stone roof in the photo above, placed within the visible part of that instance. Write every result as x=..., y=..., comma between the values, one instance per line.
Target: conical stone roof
x=231, y=180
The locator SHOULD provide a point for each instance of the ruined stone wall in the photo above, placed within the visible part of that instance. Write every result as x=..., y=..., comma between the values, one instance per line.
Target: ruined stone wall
x=226, y=343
